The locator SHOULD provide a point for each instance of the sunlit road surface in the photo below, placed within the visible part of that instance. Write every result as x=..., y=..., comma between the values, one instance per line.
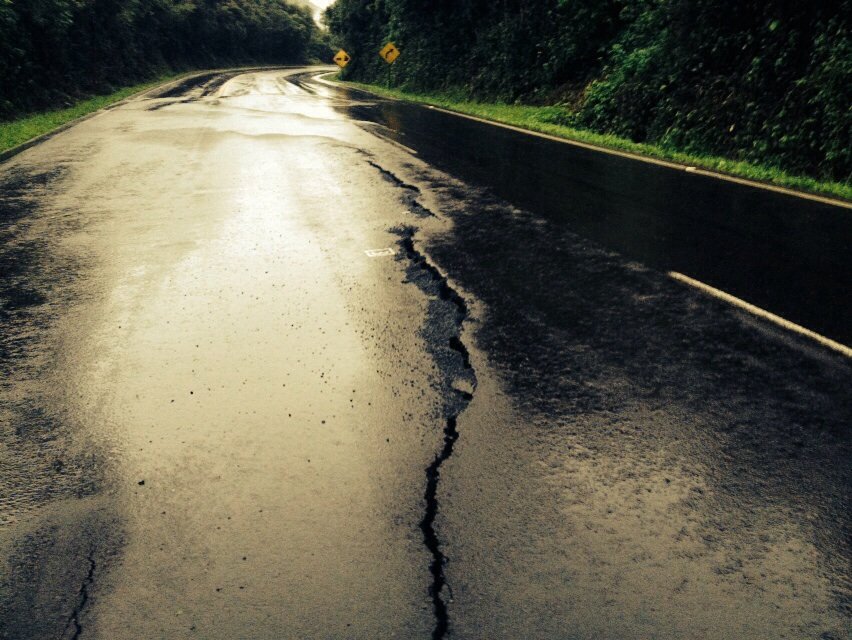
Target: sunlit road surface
x=225, y=412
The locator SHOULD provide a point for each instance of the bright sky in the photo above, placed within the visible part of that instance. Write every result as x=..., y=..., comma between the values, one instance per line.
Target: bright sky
x=322, y=4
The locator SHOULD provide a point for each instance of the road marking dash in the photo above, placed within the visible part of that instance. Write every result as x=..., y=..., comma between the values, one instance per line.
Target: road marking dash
x=379, y=253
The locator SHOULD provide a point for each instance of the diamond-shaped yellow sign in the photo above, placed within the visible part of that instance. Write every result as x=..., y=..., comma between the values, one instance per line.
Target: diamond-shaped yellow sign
x=389, y=52
x=342, y=58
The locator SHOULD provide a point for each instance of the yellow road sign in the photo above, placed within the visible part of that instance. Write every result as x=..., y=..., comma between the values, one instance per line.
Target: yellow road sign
x=342, y=58
x=389, y=52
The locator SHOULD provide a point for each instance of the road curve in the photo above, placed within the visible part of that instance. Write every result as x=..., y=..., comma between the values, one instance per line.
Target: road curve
x=268, y=374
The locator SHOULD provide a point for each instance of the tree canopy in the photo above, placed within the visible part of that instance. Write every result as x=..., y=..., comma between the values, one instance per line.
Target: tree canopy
x=53, y=50
x=767, y=81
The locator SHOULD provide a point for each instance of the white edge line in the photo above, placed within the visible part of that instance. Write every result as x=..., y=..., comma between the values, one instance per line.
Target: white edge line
x=762, y=313
x=623, y=154
x=716, y=293
x=656, y=161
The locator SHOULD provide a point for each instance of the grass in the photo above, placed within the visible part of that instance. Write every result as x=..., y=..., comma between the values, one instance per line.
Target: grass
x=541, y=119
x=16, y=132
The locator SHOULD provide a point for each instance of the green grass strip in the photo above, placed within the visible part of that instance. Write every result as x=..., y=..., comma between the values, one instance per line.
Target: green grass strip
x=541, y=119
x=24, y=129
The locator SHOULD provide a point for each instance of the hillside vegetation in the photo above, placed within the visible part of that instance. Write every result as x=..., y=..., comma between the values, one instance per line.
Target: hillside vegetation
x=767, y=82
x=54, y=52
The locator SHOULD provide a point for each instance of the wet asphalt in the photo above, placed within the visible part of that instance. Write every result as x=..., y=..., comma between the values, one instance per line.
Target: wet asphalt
x=221, y=418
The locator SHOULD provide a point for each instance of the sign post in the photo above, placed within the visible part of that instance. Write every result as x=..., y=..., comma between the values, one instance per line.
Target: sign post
x=389, y=54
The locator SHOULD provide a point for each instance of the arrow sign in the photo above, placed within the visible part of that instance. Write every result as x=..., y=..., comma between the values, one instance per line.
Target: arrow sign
x=389, y=53
x=342, y=58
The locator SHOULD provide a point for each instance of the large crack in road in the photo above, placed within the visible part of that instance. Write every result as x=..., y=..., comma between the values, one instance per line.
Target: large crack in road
x=449, y=312
x=434, y=284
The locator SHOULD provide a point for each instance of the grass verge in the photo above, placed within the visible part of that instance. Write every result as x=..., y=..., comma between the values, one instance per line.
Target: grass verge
x=16, y=132
x=541, y=119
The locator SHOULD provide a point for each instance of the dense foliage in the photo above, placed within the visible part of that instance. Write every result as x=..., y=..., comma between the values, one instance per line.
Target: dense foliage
x=54, y=50
x=769, y=81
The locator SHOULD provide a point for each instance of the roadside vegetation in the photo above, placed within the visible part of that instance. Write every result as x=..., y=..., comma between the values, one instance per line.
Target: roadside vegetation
x=755, y=89
x=57, y=53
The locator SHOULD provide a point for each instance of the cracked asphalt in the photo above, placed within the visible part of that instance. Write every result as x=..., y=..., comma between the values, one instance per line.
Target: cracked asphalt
x=220, y=417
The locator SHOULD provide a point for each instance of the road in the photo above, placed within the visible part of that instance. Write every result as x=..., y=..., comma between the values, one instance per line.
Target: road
x=787, y=255
x=268, y=374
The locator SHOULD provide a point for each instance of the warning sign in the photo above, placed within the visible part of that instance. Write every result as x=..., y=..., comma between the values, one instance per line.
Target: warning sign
x=389, y=52
x=342, y=58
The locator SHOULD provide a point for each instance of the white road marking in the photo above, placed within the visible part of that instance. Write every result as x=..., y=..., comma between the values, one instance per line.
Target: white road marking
x=379, y=253
x=762, y=313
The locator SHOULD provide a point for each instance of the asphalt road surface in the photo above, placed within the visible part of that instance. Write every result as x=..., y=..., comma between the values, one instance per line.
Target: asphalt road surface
x=221, y=417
